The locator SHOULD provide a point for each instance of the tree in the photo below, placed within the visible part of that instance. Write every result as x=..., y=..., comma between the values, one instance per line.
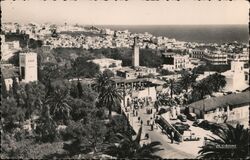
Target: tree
x=127, y=147
x=85, y=137
x=207, y=86
x=217, y=81
x=11, y=113
x=59, y=103
x=46, y=127
x=232, y=143
x=81, y=67
x=187, y=79
x=173, y=86
x=49, y=72
x=200, y=89
x=110, y=97
x=79, y=88
x=108, y=73
x=30, y=96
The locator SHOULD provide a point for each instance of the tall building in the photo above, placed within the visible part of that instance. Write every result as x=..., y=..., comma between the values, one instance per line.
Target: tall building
x=135, y=55
x=173, y=62
x=215, y=58
x=28, y=66
x=237, y=78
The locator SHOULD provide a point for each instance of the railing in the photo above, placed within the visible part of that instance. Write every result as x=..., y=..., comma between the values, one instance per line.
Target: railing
x=173, y=128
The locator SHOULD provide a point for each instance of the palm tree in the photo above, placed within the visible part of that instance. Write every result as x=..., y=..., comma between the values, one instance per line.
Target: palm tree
x=217, y=81
x=102, y=82
x=200, y=89
x=108, y=95
x=187, y=80
x=59, y=103
x=233, y=143
x=173, y=86
x=130, y=148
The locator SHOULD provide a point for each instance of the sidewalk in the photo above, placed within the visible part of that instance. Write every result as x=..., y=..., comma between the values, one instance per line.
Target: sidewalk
x=170, y=150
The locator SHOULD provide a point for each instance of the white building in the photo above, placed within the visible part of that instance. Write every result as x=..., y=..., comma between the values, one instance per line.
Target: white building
x=174, y=62
x=215, y=58
x=28, y=66
x=9, y=72
x=135, y=72
x=233, y=107
x=237, y=78
x=107, y=63
x=8, y=48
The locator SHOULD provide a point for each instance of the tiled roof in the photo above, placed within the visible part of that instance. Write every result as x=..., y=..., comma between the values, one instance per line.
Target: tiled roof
x=232, y=100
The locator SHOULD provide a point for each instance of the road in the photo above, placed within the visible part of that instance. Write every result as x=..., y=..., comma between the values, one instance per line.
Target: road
x=156, y=135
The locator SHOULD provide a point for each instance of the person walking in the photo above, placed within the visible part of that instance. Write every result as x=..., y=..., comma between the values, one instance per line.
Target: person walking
x=141, y=122
x=139, y=118
x=172, y=136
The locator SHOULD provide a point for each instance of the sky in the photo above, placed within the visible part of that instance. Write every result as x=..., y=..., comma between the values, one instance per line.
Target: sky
x=131, y=12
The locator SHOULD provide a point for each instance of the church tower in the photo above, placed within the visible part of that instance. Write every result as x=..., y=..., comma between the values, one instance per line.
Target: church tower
x=135, y=55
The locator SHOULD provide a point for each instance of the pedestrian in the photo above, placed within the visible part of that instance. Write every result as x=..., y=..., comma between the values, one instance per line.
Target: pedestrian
x=148, y=122
x=133, y=112
x=172, y=136
x=141, y=122
x=146, y=136
x=156, y=126
x=152, y=127
x=136, y=113
x=139, y=118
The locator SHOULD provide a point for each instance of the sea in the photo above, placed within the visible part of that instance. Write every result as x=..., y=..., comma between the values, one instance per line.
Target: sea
x=191, y=33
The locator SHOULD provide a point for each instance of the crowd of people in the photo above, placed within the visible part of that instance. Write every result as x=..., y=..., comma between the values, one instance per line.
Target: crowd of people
x=137, y=104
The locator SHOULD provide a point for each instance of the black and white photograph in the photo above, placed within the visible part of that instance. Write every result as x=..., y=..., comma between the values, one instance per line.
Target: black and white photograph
x=125, y=79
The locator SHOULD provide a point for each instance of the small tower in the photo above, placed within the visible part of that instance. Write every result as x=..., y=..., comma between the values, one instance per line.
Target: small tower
x=135, y=55
x=28, y=66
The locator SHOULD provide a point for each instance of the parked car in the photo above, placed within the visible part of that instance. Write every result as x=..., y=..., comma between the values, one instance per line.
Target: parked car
x=197, y=122
x=182, y=117
x=191, y=116
x=181, y=127
x=191, y=137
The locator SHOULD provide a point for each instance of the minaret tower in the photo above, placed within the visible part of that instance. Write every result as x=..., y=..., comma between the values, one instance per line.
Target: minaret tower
x=135, y=55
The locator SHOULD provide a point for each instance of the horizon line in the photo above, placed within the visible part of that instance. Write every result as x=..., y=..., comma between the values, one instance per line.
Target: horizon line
x=125, y=24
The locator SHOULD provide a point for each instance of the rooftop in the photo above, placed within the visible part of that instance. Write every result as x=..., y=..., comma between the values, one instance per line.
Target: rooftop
x=222, y=101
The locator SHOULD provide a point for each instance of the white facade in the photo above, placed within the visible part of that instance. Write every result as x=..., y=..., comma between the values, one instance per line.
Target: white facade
x=8, y=48
x=135, y=55
x=237, y=78
x=28, y=66
x=179, y=63
x=239, y=113
x=107, y=63
x=9, y=83
x=216, y=58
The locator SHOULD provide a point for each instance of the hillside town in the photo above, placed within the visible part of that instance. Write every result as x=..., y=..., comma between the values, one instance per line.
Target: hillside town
x=56, y=79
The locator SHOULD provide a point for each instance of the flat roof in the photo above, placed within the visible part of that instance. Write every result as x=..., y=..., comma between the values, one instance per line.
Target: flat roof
x=222, y=101
x=119, y=80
